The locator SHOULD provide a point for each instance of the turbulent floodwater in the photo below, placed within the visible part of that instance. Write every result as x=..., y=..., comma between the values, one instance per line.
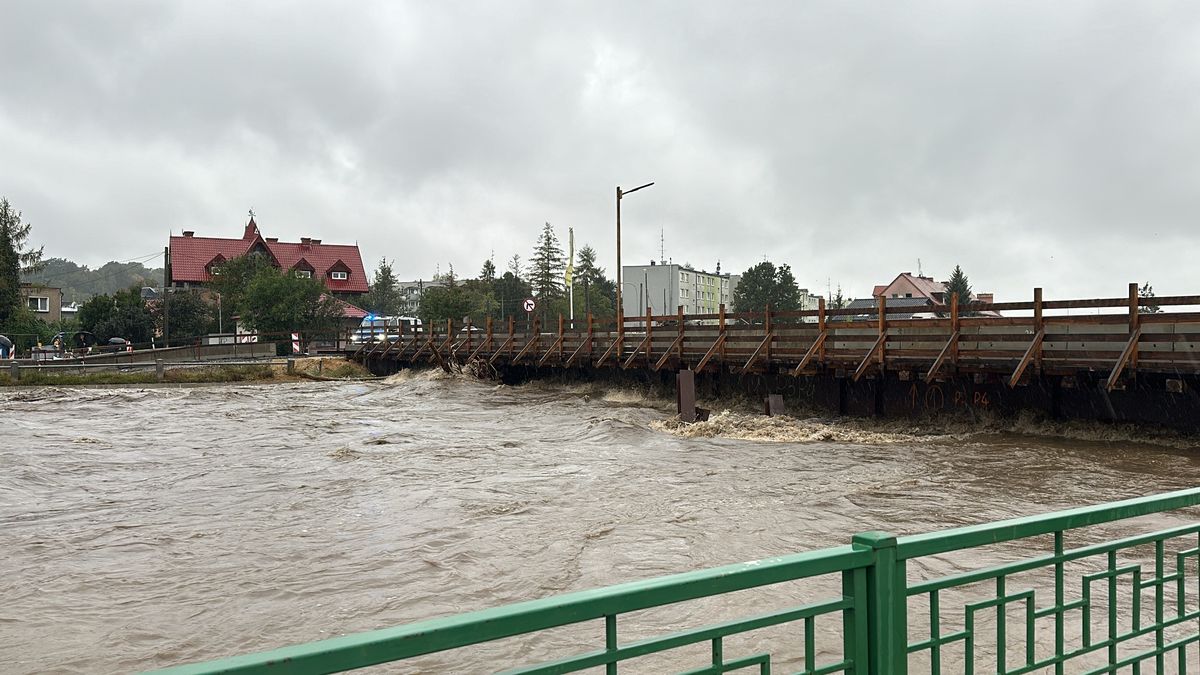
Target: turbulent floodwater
x=142, y=528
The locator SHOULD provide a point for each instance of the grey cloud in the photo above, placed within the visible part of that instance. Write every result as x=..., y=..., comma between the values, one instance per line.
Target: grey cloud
x=1034, y=144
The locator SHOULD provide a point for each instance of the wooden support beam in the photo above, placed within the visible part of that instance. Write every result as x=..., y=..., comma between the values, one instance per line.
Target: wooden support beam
x=818, y=346
x=428, y=344
x=679, y=342
x=587, y=342
x=721, y=330
x=717, y=346
x=644, y=344
x=764, y=345
x=496, y=354
x=1034, y=348
x=951, y=345
x=662, y=361
x=528, y=345
x=550, y=350
x=436, y=355
x=614, y=345
x=866, y=362
x=1126, y=357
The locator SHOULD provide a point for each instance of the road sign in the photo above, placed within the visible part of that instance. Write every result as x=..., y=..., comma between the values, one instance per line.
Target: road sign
x=529, y=305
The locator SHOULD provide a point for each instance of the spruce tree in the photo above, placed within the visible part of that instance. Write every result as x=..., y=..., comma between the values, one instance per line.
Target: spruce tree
x=959, y=284
x=384, y=297
x=488, y=273
x=546, y=267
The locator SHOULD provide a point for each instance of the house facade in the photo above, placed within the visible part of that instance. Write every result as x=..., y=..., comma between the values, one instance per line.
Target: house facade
x=664, y=287
x=193, y=260
x=44, y=301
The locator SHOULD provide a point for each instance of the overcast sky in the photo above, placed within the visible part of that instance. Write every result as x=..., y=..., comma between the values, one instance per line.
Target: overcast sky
x=1053, y=144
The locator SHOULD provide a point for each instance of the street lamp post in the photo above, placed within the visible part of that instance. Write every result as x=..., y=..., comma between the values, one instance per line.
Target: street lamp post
x=621, y=307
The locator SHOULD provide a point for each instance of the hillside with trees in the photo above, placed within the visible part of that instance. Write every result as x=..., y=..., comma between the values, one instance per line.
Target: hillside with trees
x=80, y=283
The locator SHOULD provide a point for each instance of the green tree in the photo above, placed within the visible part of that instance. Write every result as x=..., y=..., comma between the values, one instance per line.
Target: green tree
x=191, y=317
x=546, y=268
x=384, y=298
x=277, y=302
x=838, y=301
x=15, y=259
x=26, y=329
x=1146, y=292
x=123, y=314
x=510, y=291
x=958, y=283
x=233, y=278
x=763, y=285
x=488, y=273
x=598, y=294
x=10, y=269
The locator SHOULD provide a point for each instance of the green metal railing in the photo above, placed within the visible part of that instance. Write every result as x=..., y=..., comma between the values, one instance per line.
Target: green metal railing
x=876, y=612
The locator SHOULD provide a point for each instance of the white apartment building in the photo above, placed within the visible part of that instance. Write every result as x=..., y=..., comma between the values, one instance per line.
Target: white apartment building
x=663, y=288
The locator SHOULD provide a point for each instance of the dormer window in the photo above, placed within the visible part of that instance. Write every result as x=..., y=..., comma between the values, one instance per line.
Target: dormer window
x=304, y=274
x=339, y=276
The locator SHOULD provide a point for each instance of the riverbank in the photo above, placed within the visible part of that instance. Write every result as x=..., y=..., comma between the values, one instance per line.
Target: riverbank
x=320, y=368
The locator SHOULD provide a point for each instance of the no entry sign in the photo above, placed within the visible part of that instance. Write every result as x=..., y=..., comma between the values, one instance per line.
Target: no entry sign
x=529, y=305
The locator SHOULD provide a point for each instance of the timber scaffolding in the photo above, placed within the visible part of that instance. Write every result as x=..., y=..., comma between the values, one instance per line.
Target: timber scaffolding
x=1103, y=344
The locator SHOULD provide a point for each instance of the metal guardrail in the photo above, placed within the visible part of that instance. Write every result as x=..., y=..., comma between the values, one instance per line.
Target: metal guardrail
x=873, y=613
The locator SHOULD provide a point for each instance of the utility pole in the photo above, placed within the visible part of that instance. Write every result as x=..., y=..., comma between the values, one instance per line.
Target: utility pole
x=166, y=296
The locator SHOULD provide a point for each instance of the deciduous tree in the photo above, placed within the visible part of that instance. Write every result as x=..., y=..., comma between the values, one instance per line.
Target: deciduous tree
x=763, y=285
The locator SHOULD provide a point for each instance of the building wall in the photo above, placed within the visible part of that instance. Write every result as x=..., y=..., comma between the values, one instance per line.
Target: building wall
x=903, y=288
x=44, y=301
x=665, y=287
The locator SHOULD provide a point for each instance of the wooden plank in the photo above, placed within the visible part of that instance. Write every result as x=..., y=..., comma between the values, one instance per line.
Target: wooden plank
x=951, y=345
x=496, y=354
x=862, y=367
x=818, y=347
x=1034, y=348
x=717, y=346
x=1126, y=356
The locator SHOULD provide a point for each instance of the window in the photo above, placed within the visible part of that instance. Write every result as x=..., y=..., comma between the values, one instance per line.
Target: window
x=339, y=276
x=304, y=274
x=39, y=304
x=215, y=270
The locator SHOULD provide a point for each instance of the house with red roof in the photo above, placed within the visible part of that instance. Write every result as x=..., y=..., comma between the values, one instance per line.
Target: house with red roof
x=191, y=260
x=909, y=285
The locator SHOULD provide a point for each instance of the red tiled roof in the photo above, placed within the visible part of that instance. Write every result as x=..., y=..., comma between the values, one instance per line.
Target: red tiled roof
x=349, y=311
x=190, y=257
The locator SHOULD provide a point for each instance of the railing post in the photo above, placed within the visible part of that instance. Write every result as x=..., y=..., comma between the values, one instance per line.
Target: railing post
x=721, y=328
x=1134, y=322
x=1038, y=325
x=679, y=352
x=649, y=335
x=14, y=370
x=512, y=330
x=887, y=606
x=882, y=332
x=560, y=335
x=821, y=329
x=767, y=335
x=591, y=344
x=954, y=325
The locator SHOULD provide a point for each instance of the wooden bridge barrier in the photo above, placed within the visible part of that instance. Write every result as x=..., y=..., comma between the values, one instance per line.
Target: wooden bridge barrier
x=1117, y=337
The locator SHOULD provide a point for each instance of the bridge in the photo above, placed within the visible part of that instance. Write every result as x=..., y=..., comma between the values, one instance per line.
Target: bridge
x=1069, y=602
x=1121, y=358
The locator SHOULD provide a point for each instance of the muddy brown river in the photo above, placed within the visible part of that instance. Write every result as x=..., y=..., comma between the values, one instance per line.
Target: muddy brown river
x=142, y=528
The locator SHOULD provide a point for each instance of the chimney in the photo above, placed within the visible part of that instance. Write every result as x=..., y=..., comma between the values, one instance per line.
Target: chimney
x=985, y=297
x=305, y=241
x=272, y=240
x=316, y=242
x=188, y=233
x=652, y=263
